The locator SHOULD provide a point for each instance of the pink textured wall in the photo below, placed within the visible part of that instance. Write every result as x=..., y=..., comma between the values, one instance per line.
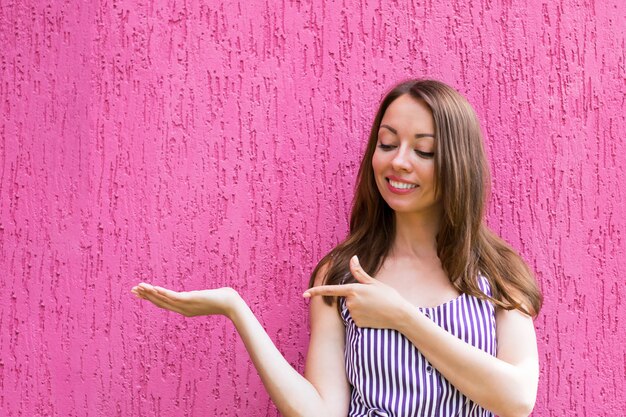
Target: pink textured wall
x=198, y=145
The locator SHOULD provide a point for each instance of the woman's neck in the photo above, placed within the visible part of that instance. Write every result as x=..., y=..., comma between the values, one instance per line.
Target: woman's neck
x=416, y=234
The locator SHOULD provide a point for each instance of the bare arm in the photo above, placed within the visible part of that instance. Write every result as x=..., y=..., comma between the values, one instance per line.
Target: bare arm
x=506, y=384
x=292, y=393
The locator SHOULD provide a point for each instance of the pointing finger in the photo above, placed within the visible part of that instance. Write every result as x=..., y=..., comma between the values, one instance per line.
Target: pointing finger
x=331, y=290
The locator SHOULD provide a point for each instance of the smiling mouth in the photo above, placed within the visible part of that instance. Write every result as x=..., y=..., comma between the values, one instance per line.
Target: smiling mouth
x=401, y=185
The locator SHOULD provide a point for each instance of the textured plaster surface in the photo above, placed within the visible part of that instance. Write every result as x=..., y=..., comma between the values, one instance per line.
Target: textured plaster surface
x=202, y=144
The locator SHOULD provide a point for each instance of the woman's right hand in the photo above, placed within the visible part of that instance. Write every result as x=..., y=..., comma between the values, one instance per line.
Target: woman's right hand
x=223, y=301
x=326, y=393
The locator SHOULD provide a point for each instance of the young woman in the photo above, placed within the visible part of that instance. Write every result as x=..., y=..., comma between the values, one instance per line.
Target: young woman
x=434, y=317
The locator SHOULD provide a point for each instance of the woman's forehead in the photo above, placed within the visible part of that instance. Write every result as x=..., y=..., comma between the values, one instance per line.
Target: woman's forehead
x=408, y=116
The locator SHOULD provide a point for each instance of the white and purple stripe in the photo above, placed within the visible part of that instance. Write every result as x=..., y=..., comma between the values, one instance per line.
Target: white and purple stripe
x=390, y=377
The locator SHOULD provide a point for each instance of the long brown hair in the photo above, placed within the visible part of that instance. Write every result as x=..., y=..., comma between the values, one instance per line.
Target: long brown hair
x=465, y=245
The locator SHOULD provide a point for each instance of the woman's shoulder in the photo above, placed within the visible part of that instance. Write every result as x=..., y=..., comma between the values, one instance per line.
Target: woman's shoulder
x=483, y=284
x=319, y=274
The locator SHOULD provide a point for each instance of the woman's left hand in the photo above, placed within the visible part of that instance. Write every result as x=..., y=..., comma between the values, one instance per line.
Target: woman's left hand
x=370, y=302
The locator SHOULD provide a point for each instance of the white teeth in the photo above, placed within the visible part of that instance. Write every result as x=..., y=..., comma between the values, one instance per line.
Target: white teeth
x=401, y=185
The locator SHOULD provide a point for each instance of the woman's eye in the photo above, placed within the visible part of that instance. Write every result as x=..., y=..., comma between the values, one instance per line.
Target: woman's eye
x=385, y=147
x=423, y=154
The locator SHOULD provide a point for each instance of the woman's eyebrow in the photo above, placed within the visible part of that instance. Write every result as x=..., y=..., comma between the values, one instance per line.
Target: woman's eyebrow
x=394, y=131
x=417, y=135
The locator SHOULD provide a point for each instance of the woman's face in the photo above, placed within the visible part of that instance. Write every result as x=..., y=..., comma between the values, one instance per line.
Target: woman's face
x=403, y=162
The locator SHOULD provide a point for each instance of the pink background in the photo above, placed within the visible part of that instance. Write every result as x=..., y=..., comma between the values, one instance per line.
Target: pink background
x=201, y=145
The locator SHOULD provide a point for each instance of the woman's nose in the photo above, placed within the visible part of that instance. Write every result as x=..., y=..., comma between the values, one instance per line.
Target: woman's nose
x=401, y=160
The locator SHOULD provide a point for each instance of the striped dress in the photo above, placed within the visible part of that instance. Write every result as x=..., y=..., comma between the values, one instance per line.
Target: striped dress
x=391, y=378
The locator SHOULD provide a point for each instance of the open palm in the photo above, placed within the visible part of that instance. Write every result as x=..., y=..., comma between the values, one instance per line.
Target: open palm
x=189, y=303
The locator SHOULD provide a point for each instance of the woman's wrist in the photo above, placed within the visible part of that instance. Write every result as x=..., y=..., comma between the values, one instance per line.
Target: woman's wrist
x=235, y=305
x=408, y=313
